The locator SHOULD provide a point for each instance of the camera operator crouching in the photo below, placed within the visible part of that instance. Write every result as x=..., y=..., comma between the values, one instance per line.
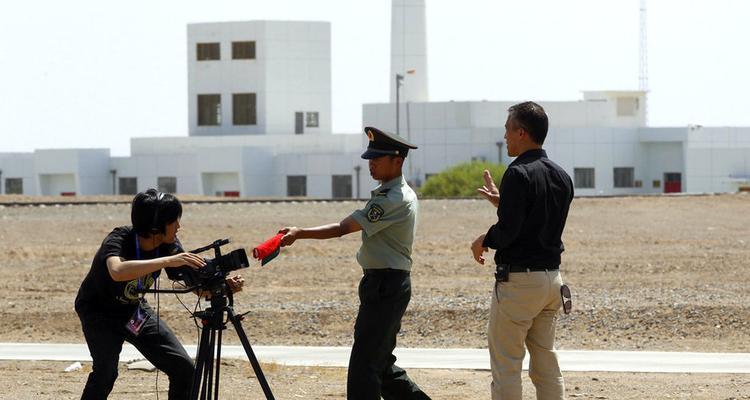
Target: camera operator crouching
x=109, y=304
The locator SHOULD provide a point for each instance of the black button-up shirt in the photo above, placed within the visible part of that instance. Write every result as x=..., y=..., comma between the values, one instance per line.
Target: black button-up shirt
x=535, y=195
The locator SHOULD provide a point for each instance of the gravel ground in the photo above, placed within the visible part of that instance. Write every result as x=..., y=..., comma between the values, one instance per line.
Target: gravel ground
x=649, y=273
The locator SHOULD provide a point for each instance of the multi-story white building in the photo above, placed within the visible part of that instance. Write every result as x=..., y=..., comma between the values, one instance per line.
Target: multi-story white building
x=260, y=125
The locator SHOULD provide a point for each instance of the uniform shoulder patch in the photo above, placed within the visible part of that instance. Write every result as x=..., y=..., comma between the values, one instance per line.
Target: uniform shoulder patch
x=374, y=213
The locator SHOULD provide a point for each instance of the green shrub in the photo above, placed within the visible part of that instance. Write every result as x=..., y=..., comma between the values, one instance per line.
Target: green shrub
x=461, y=180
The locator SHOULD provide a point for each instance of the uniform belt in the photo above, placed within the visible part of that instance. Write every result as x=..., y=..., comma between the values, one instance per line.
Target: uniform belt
x=518, y=268
x=385, y=271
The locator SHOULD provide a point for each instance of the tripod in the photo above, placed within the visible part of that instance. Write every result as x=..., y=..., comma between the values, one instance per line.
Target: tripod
x=208, y=357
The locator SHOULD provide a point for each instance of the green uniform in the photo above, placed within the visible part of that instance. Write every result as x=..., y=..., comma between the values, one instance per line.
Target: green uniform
x=389, y=224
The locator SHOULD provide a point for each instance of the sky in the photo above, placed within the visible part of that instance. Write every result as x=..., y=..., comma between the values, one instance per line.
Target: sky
x=93, y=74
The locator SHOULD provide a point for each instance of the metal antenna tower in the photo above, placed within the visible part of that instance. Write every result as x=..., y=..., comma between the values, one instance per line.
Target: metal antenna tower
x=643, y=54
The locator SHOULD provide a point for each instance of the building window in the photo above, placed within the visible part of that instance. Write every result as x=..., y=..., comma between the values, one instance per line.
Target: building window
x=341, y=186
x=656, y=184
x=13, y=185
x=311, y=120
x=627, y=106
x=208, y=51
x=296, y=185
x=244, y=109
x=166, y=184
x=209, y=109
x=243, y=50
x=624, y=177
x=584, y=178
x=299, y=118
x=128, y=185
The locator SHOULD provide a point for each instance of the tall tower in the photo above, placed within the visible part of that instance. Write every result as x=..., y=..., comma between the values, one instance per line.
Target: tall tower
x=643, y=50
x=643, y=60
x=409, y=50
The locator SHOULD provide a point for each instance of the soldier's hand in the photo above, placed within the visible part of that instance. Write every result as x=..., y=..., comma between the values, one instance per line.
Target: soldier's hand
x=489, y=191
x=477, y=250
x=290, y=235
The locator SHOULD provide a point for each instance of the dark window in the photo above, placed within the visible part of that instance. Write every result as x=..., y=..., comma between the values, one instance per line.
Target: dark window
x=312, y=120
x=299, y=118
x=167, y=184
x=208, y=51
x=656, y=183
x=128, y=185
x=584, y=178
x=341, y=186
x=244, y=109
x=209, y=109
x=624, y=177
x=296, y=185
x=243, y=50
x=13, y=185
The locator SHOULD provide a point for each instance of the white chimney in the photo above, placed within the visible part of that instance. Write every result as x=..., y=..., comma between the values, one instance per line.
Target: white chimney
x=409, y=50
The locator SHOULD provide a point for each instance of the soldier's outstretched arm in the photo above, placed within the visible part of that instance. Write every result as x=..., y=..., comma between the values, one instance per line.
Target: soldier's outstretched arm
x=292, y=233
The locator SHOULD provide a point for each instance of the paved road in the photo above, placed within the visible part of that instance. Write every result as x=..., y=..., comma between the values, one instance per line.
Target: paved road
x=570, y=360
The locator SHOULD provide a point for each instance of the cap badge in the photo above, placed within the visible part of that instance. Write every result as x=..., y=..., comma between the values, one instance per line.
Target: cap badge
x=370, y=135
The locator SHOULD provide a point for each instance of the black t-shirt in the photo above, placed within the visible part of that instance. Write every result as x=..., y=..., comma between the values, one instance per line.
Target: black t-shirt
x=535, y=196
x=99, y=293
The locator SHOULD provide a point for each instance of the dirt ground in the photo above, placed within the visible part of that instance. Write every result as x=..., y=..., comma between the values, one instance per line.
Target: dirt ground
x=47, y=381
x=649, y=273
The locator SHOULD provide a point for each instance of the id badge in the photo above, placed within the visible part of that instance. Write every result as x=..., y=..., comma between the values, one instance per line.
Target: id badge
x=137, y=320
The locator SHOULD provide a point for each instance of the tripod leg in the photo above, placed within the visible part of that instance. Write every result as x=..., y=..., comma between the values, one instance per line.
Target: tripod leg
x=218, y=366
x=207, y=383
x=200, y=362
x=250, y=354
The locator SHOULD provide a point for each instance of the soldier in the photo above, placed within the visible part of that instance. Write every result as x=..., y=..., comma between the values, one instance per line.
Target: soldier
x=388, y=224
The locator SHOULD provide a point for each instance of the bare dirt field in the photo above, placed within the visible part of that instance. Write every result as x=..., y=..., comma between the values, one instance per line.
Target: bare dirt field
x=651, y=273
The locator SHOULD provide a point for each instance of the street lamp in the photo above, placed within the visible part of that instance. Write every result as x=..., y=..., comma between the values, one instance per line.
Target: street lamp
x=399, y=79
x=113, y=172
x=499, y=151
x=356, y=169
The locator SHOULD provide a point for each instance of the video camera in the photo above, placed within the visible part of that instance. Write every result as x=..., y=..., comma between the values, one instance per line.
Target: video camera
x=216, y=269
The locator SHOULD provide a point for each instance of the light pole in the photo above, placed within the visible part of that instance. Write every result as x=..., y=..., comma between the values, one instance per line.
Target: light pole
x=114, y=180
x=499, y=151
x=399, y=79
x=356, y=169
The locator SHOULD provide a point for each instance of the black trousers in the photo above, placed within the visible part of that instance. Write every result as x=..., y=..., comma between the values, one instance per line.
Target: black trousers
x=105, y=336
x=383, y=295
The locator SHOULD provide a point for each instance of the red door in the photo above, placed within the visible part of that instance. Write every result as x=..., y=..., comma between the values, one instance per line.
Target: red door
x=672, y=182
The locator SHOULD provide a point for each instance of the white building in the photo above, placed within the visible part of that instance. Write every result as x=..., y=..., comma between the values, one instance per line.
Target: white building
x=260, y=126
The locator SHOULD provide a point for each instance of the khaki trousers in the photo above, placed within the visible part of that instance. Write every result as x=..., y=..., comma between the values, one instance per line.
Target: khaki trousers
x=524, y=311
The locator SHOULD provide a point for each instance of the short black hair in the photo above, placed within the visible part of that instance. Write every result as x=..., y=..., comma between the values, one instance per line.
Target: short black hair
x=152, y=210
x=531, y=117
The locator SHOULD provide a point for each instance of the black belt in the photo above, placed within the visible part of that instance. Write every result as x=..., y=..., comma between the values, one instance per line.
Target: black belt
x=518, y=268
x=385, y=271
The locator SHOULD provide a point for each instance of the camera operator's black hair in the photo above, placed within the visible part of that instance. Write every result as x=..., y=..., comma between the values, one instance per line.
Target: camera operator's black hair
x=152, y=211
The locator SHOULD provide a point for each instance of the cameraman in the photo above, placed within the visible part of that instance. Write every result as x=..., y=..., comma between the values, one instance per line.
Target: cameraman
x=112, y=311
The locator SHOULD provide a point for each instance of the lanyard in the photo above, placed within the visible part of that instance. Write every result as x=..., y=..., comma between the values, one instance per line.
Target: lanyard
x=138, y=257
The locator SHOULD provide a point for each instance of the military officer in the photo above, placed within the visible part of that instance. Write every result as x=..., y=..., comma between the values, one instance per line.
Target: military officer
x=388, y=223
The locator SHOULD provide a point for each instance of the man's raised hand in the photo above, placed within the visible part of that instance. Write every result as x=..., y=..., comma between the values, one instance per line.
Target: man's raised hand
x=489, y=190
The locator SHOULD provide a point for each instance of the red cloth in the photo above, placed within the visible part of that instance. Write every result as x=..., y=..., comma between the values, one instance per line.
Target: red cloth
x=268, y=247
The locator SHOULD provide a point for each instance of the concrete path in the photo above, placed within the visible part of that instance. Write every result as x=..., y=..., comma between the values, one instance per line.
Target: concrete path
x=570, y=360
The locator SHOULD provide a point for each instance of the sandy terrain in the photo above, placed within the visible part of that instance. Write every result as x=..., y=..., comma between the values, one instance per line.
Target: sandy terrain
x=656, y=273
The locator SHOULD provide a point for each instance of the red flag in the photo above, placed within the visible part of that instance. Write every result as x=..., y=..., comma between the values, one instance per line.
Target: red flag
x=268, y=250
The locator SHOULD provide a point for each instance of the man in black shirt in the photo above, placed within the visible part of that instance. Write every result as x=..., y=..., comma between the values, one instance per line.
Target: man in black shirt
x=532, y=206
x=112, y=311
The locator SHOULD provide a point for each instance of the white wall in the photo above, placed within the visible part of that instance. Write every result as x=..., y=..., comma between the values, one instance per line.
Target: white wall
x=291, y=72
x=19, y=165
